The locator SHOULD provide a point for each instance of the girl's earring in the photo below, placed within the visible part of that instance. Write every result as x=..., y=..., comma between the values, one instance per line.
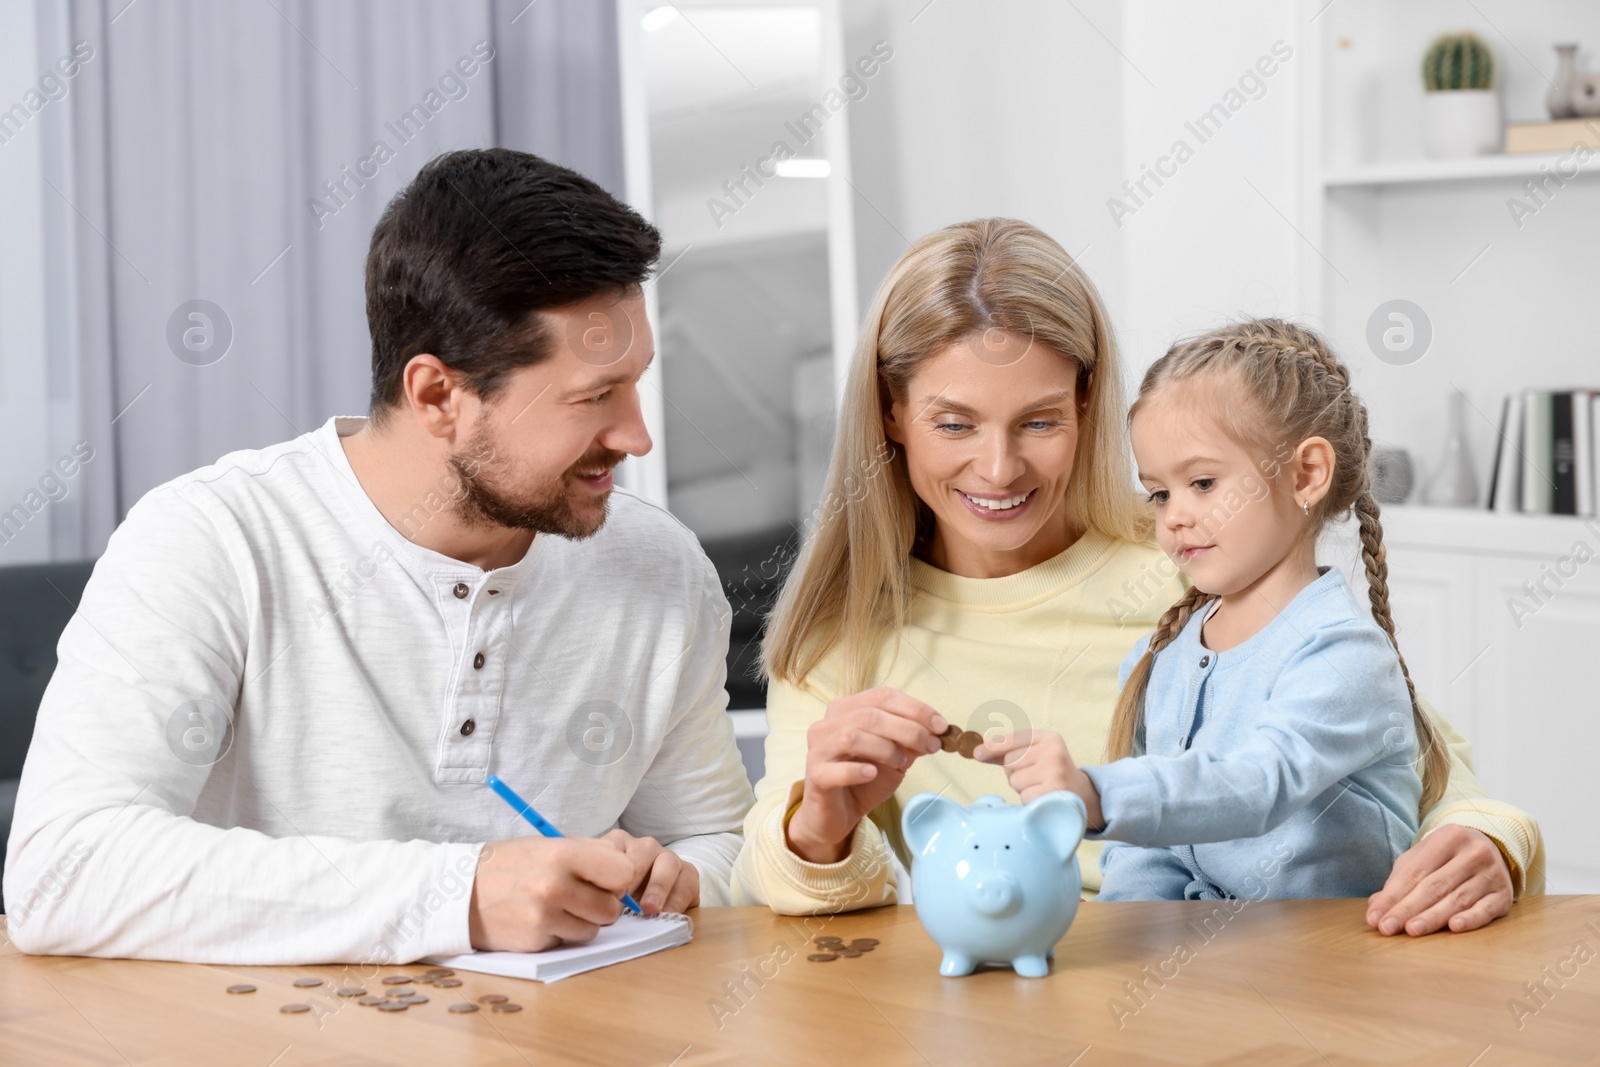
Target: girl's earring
x=1305, y=506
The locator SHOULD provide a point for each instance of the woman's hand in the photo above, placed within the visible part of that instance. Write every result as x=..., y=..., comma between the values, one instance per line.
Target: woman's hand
x=1454, y=877
x=856, y=756
x=1037, y=762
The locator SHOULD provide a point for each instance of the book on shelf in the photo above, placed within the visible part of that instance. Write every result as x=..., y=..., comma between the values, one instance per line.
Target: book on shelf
x=1545, y=458
x=1559, y=135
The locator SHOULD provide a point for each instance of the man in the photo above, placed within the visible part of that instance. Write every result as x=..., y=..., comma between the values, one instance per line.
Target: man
x=291, y=672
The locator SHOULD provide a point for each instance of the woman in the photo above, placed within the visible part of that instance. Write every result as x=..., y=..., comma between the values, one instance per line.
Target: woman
x=992, y=574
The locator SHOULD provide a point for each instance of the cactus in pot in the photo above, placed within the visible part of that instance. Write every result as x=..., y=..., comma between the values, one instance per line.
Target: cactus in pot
x=1457, y=61
x=1460, y=110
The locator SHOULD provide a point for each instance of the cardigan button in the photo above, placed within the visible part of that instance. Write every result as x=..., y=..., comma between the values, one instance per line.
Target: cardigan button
x=1205, y=661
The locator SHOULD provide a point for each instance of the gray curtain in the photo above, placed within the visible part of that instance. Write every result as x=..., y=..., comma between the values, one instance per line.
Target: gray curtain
x=229, y=162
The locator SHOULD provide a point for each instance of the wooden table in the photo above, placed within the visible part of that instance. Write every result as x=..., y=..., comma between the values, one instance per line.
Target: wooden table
x=1280, y=982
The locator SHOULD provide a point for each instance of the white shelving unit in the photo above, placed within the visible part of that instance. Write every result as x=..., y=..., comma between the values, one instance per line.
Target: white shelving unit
x=1498, y=621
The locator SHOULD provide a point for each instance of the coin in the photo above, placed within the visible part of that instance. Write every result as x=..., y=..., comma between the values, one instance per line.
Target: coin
x=493, y=998
x=948, y=739
x=441, y=972
x=397, y=979
x=307, y=983
x=864, y=943
x=294, y=1009
x=395, y=993
x=508, y=1007
x=393, y=1005
x=821, y=957
x=969, y=740
x=462, y=1009
x=447, y=983
x=415, y=998
x=368, y=1002
x=241, y=989
x=849, y=953
x=350, y=991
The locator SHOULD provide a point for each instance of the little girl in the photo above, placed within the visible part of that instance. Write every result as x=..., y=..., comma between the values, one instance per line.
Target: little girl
x=1265, y=742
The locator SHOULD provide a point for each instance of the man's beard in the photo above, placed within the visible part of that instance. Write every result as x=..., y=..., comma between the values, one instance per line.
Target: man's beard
x=481, y=470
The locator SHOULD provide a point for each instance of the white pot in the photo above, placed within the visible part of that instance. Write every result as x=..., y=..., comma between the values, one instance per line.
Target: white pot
x=1461, y=122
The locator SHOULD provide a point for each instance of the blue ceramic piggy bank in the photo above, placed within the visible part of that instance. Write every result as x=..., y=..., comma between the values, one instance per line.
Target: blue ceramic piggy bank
x=996, y=882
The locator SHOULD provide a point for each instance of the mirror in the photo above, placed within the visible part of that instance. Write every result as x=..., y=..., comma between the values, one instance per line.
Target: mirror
x=754, y=299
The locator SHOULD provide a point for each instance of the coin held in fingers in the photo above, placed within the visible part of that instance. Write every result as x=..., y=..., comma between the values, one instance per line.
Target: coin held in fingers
x=949, y=739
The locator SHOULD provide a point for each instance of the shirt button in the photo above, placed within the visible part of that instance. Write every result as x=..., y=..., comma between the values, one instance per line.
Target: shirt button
x=477, y=662
x=461, y=590
x=1205, y=661
x=467, y=728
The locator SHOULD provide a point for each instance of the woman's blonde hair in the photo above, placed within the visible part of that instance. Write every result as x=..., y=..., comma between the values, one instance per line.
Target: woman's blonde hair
x=1288, y=387
x=850, y=585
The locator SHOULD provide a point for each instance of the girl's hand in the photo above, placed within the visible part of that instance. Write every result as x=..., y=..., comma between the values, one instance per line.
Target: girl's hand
x=1037, y=762
x=856, y=756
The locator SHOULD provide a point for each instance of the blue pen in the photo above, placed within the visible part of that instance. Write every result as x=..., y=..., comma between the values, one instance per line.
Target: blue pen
x=540, y=824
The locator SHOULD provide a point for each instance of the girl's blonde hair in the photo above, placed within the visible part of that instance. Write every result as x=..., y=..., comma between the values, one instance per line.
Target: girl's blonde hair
x=850, y=585
x=1289, y=384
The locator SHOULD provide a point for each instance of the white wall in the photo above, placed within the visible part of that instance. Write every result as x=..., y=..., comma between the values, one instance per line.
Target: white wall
x=987, y=109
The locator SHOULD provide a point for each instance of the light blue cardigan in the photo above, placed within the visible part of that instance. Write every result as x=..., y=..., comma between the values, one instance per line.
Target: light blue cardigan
x=1283, y=767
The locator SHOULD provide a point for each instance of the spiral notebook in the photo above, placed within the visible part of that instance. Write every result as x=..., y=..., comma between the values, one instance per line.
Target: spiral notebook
x=630, y=937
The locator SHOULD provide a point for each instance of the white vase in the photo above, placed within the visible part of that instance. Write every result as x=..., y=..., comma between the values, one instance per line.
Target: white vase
x=1454, y=483
x=1461, y=122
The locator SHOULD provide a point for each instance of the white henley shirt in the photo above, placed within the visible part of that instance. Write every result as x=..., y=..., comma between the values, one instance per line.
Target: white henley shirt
x=268, y=732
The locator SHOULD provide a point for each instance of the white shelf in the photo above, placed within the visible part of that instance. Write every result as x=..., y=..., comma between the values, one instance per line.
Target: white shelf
x=1478, y=530
x=1408, y=171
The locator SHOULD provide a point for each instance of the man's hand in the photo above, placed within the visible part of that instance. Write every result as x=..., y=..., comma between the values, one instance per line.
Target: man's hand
x=533, y=893
x=662, y=880
x=1455, y=878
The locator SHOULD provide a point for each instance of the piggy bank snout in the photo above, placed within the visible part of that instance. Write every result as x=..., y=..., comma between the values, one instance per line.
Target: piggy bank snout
x=995, y=893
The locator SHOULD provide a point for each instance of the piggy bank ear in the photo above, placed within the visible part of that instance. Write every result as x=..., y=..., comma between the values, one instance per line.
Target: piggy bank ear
x=925, y=816
x=1059, y=818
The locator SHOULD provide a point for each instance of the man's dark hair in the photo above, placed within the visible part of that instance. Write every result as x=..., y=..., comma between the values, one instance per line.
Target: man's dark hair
x=479, y=241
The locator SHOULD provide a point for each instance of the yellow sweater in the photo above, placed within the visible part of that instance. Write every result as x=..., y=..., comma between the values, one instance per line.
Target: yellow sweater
x=1039, y=650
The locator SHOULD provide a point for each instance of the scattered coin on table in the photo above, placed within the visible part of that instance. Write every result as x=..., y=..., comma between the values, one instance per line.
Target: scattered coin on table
x=397, y=979
x=307, y=983
x=294, y=1009
x=507, y=1007
x=368, y=1002
x=350, y=991
x=241, y=989
x=821, y=957
x=397, y=993
x=415, y=998
x=463, y=1008
x=493, y=998
x=393, y=1005
x=865, y=944
x=447, y=983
